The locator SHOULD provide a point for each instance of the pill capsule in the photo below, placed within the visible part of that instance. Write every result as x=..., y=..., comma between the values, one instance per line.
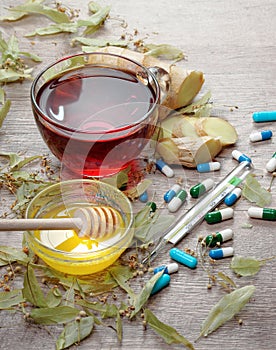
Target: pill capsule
x=199, y=189
x=164, y=168
x=177, y=201
x=240, y=157
x=183, y=258
x=271, y=164
x=262, y=213
x=219, y=215
x=168, y=269
x=144, y=197
x=172, y=192
x=221, y=253
x=162, y=282
x=152, y=206
x=207, y=167
x=260, y=135
x=233, y=196
x=264, y=116
x=218, y=237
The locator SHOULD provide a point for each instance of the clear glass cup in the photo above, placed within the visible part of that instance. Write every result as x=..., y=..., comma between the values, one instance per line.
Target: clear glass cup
x=96, y=111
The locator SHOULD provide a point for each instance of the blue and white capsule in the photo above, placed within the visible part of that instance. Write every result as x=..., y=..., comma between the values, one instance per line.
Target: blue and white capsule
x=162, y=282
x=172, y=192
x=168, y=269
x=177, y=201
x=260, y=135
x=221, y=253
x=164, y=168
x=271, y=164
x=264, y=116
x=183, y=258
x=240, y=157
x=233, y=196
x=144, y=197
x=207, y=167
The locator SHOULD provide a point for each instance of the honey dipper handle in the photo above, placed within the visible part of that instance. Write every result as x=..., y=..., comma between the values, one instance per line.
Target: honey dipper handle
x=40, y=224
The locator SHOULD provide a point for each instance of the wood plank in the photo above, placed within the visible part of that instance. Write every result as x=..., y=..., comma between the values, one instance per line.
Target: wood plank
x=233, y=43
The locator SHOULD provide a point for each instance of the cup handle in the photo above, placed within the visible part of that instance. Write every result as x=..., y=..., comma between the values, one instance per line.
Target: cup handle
x=164, y=81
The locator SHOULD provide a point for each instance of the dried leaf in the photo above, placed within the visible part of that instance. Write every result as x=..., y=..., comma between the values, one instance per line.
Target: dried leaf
x=199, y=108
x=98, y=42
x=4, y=110
x=117, y=269
x=118, y=180
x=226, y=308
x=246, y=266
x=119, y=327
x=154, y=227
x=163, y=51
x=104, y=309
x=142, y=217
x=110, y=311
x=18, y=15
x=52, y=315
x=10, y=254
x=54, y=297
x=13, y=158
x=94, y=22
x=30, y=55
x=168, y=333
x=69, y=297
x=24, y=161
x=255, y=193
x=55, y=29
x=94, y=286
x=227, y=279
x=10, y=76
x=2, y=96
x=12, y=298
x=121, y=280
x=32, y=291
x=140, y=300
x=74, y=332
x=12, y=65
x=37, y=8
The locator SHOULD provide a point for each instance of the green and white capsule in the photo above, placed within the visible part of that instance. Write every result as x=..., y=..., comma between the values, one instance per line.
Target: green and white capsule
x=218, y=237
x=262, y=213
x=177, y=201
x=199, y=189
x=271, y=164
x=219, y=215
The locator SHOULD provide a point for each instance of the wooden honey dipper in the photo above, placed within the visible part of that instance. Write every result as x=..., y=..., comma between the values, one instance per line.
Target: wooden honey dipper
x=93, y=222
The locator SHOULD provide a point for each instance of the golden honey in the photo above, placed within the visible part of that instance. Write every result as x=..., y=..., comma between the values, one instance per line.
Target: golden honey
x=64, y=250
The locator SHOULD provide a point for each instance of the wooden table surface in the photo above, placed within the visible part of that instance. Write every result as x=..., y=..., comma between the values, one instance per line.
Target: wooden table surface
x=233, y=43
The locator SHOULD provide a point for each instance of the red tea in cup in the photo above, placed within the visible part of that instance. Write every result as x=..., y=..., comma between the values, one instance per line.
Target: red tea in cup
x=96, y=112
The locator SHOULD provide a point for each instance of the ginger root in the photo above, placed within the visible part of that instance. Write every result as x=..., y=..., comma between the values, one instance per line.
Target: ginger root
x=178, y=126
x=188, y=151
x=193, y=140
x=217, y=127
x=185, y=84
